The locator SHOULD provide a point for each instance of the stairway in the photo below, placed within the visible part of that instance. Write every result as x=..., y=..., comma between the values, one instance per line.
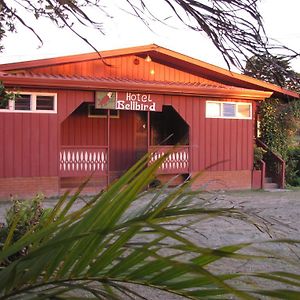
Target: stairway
x=269, y=185
x=276, y=168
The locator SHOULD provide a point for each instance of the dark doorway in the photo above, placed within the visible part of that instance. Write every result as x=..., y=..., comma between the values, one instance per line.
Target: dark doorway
x=141, y=134
x=168, y=128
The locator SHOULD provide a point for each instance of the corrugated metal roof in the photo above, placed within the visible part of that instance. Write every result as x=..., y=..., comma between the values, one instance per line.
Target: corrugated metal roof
x=30, y=79
x=110, y=80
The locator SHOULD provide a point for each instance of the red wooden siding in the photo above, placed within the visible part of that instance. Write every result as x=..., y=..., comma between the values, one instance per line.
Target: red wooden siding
x=216, y=144
x=122, y=143
x=29, y=142
x=124, y=67
x=28, y=145
x=69, y=100
x=79, y=130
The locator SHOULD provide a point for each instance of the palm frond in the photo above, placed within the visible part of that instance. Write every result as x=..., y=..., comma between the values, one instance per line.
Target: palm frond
x=123, y=237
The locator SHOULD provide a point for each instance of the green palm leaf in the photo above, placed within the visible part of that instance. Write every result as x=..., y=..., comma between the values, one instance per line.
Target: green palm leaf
x=119, y=238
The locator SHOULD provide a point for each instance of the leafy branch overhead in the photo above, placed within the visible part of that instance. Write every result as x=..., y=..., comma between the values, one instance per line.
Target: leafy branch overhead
x=235, y=27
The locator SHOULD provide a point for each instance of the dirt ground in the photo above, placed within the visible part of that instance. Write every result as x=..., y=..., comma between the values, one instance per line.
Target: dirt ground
x=278, y=210
x=272, y=215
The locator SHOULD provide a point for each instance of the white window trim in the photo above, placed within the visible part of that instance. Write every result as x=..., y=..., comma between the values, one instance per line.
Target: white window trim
x=33, y=96
x=236, y=107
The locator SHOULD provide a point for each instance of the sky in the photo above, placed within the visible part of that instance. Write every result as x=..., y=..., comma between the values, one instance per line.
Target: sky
x=281, y=23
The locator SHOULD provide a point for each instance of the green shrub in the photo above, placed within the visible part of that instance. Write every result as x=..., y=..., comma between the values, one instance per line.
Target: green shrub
x=22, y=217
x=258, y=156
x=279, y=123
x=293, y=166
x=5, y=96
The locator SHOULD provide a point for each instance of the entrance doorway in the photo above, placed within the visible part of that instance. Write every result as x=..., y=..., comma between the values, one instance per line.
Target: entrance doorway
x=168, y=128
x=141, y=134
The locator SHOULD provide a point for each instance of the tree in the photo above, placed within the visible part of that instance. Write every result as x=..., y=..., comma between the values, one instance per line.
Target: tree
x=235, y=27
x=279, y=118
x=279, y=122
x=273, y=69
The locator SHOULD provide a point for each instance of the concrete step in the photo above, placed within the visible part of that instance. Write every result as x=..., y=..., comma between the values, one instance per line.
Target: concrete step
x=270, y=186
x=268, y=180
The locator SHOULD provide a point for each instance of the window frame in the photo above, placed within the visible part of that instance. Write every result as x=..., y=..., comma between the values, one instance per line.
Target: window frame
x=236, y=116
x=111, y=116
x=33, y=103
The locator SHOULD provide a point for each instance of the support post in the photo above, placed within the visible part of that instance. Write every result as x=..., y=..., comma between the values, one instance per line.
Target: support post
x=108, y=147
x=148, y=130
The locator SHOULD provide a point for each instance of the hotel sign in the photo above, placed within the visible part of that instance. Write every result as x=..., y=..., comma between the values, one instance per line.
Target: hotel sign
x=128, y=101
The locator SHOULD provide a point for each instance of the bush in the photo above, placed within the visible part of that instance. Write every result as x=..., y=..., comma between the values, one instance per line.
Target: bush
x=293, y=166
x=279, y=124
x=258, y=156
x=23, y=216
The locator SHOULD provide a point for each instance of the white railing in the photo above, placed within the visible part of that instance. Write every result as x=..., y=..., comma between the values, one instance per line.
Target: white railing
x=82, y=161
x=177, y=161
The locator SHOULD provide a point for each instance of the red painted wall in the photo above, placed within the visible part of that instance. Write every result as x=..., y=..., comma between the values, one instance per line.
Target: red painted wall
x=125, y=67
x=78, y=129
x=217, y=144
x=29, y=142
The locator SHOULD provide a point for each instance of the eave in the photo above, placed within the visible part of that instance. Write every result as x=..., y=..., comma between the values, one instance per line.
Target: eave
x=166, y=88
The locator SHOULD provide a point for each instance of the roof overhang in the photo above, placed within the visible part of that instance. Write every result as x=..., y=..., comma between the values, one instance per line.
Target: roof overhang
x=18, y=81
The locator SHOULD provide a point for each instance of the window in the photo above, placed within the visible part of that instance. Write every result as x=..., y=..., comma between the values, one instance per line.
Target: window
x=102, y=113
x=23, y=102
x=114, y=113
x=213, y=110
x=44, y=102
x=32, y=102
x=244, y=111
x=228, y=110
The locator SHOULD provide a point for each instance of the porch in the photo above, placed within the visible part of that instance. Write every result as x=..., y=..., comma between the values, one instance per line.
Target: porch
x=104, y=147
x=92, y=161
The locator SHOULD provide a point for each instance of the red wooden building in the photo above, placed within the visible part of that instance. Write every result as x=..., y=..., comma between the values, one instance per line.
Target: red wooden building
x=80, y=114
